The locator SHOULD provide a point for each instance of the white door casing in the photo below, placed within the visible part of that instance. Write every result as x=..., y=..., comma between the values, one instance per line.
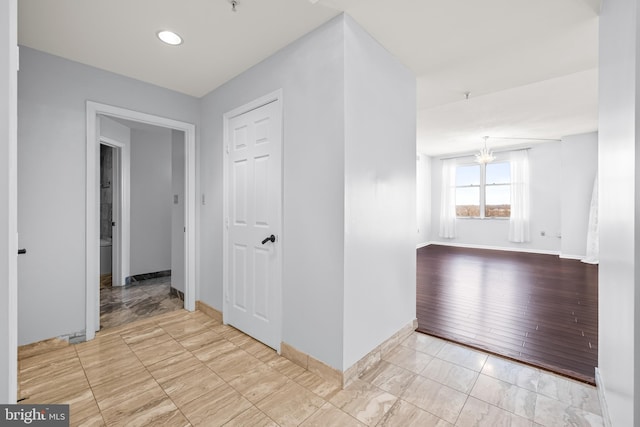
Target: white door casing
x=92, y=264
x=253, y=213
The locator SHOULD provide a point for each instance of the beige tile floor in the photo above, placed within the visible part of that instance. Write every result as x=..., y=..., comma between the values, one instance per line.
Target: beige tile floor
x=181, y=369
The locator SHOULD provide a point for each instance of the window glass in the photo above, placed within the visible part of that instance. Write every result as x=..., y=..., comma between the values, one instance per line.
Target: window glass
x=497, y=201
x=468, y=201
x=467, y=175
x=498, y=173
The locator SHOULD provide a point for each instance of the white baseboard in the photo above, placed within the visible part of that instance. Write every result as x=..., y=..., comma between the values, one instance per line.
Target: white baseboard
x=422, y=245
x=603, y=402
x=569, y=256
x=496, y=248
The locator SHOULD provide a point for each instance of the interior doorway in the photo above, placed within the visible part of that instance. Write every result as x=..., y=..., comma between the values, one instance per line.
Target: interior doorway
x=107, y=222
x=151, y=188
x=121, y=225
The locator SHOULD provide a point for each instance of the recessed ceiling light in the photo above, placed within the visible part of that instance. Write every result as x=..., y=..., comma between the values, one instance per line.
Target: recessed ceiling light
x=169, y=37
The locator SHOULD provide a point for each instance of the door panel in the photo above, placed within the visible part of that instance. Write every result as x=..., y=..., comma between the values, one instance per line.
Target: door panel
x=255, y=200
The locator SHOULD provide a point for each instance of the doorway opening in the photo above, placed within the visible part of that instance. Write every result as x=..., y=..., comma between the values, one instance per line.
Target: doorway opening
x=151, y=189
x=134, y=206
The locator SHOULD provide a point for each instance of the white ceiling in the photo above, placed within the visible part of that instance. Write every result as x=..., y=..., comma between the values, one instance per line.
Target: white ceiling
x=530, y=65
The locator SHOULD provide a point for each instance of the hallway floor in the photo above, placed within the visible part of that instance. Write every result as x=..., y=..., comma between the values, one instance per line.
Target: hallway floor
x=181, y=369
x=147, y=298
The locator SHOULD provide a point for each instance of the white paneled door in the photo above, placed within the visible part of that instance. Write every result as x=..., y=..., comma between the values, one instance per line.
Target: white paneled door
x=253, y=221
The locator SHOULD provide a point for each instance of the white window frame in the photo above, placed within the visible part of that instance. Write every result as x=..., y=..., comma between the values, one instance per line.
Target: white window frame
x=482, y=187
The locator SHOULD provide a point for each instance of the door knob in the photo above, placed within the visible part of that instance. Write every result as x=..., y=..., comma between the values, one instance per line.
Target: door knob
x=22, y=251
x=271, y=239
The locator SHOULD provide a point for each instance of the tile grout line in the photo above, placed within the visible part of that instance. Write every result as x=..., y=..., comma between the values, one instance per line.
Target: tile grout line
x=75, y=350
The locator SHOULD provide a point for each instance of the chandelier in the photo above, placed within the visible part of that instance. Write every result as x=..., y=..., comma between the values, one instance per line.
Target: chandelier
x=485, y=155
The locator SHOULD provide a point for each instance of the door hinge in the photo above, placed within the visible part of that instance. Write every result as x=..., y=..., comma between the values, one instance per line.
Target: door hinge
x=227, y=149
x=226, y=223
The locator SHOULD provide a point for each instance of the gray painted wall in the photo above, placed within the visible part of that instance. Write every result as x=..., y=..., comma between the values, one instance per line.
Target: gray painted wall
x=619, y=181
x=579, y=168
x=334, y=173
x=8, y=260
x=151, y=200
x=310, y=72
x=52, y=93
x=380, y=194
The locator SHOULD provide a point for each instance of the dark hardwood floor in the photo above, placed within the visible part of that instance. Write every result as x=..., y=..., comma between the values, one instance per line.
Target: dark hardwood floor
x=538, y=309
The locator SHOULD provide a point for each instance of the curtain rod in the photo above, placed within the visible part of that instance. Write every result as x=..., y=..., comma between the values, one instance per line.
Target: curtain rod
x=471, y=154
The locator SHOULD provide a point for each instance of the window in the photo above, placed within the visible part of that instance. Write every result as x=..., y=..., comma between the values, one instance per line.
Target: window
x=483, y=191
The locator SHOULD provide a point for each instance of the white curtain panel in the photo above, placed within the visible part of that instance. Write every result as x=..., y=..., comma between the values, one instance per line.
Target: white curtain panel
x=593, y=245
x=519, y=222
x=448, y=200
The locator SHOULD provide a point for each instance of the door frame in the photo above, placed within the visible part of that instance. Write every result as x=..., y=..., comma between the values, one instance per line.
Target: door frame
x=121, y=239
x=92, y=259
x=272, y=97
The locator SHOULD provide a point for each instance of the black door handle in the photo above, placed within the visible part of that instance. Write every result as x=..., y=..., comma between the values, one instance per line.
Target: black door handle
x=22, y=251
x=271, y=239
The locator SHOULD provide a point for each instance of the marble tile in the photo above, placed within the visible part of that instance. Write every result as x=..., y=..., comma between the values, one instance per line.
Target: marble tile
x=553, y=413
x=256, y=348
x=97, y=373
x=329, y=415
x=404, y=413
x=145, y=411
x=364, y=401
x=182, y=329
x=512, y=372
x=41, y=347
x=424, y=343
x=144, y=337
x=216, y=407
x=182, y=368
x=577, y=394
x=477, y=413
x=290, y=405
x=121, y=305
x=233, y=364
x=409, y=359
x=286, y=367
x=450, y=374
x=435, y=398
x=191, y=385
x=259, y=382
x=252, y=417
x=195, y=342
x=82, y=406
x=506, y=396
x=321, y=387
x=325, y=371
x=116, y=391
x=48, y=367
x=57, y=385
x=95, y=420
x=149, y=355
x=463, y=356
x=50, y=359
x=389, y=377
x=213, y=350
x=170, y=368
